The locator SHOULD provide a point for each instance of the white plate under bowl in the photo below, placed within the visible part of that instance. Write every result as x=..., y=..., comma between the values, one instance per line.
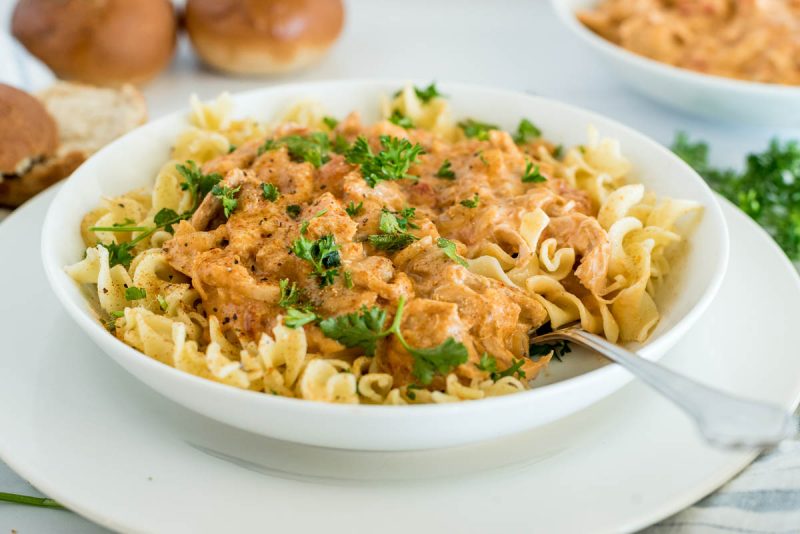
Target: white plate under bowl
x=89, y=435
x=717, y=97
x=134, y=160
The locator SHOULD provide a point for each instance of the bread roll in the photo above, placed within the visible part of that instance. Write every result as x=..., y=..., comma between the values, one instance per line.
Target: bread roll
x=103, y=42
x=262, y=36
x=86, y=118
x=27, y=132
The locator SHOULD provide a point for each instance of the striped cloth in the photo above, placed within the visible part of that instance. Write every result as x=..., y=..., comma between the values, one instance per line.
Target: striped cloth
x=763, y=499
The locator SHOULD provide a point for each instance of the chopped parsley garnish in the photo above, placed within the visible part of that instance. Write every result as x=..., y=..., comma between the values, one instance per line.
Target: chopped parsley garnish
x=295, y=318
x=197, y=183
x=162, y=303
x=135, y=293
x=312, y=148
x=293, y=210
x=231, y=148
x=290, y=295
x=558, y=348
x=471, y=202
x=270, y=192
x=476, y=129
x=391, y=163
x=227, y=196
x=526, y=131
x=322, y=254
x=348, y=280
x=487, y=363
x=120, y=253
x=445, y=171
x=531, y=175
x=269, y=144
x=449, y=249
x=557, y=151
x=401, y=120
x=515, y=369
x=330, y=122
x=354, y=209
x=394, y=230
x=365, y=328
x=426, y=94
x=117, y=314
x=340, y=144
x=768, y=189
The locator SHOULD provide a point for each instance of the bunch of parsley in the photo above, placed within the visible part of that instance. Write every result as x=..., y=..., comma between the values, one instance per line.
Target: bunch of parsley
x=768, y=189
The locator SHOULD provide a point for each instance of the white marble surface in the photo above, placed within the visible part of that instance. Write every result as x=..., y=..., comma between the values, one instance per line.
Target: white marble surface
x=516, y=44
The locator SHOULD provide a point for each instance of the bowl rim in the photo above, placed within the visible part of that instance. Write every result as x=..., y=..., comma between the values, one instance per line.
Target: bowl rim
x=568, y=17
x=59, y=280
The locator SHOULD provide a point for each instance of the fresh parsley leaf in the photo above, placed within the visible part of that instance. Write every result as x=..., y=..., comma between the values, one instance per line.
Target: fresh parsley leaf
x=119, y=253
x=197, y=183
x=295, y=318
x=440, y=359
x=227, y=196
x=270, y=192
x=304, y=226
x=401, y=120
x=290, y=295
x=322, y=254
x=354, y=209
x=348, y=280
x=531, y=175
x=231, y=149
x=426, y=94
x=391, y=163
x=340, y=144
x=767, y=189
x=162, y=303
x=365, y=328
x=449, y=248
x=312, y=148
x=445, y=171
x=558, y=348
x=471, y=202
x=135, y=293
x=359, y=329
x=526, y=131
x=117, y=314
x=476, y=129
x=166, y=218
x=269, y=144
x=330, y=122
x=487, y=363
x=515, y=369
x=293, y=210
x=393, y=227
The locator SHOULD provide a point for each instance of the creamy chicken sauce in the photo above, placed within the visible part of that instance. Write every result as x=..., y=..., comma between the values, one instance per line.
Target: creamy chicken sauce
x=236, y=263
x=756, y=40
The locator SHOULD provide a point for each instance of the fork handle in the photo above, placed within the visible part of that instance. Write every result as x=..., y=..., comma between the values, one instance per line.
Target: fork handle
x=724, y=420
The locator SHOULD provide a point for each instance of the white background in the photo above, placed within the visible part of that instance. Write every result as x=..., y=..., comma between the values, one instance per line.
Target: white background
x=515, y=44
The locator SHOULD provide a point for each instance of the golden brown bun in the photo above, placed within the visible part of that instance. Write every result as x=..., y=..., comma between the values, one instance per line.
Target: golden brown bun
x=104, y=42
x=16, y=190
x=27, y=132
x=262, y=36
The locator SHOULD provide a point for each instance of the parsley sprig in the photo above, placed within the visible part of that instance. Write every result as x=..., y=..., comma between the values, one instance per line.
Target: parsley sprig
x=394, y=230
x=227, y=195
x=313, y=148
x=354, y=209
x=526, y=131
x=531, y=174
x=322, y=254
x=401, y=120
x=488, y=363
x=121, y=253
x=197, y=183
x=270, y=192
x=477, y=129
x=297, y=313
x=768, y=189
x=365, y=328
x=471, y=202
x=391, y=163
x=449, y=249
x=445, y=171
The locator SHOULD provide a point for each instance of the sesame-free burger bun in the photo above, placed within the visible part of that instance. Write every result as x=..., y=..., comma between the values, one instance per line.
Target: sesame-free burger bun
x=27, y=131
x=263, y=36
x=103, y=42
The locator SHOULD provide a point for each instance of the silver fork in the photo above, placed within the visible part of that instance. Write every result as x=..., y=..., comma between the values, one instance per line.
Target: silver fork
x=725, y=420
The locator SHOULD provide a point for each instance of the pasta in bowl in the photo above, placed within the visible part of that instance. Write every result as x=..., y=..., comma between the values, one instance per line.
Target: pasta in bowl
x=398, y=255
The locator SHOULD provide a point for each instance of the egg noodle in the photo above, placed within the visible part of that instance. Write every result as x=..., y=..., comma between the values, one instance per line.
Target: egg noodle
x=481, y=238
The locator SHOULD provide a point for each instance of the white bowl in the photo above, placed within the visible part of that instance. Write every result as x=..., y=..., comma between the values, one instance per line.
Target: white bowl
x=133, y=161
x=716, y=97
